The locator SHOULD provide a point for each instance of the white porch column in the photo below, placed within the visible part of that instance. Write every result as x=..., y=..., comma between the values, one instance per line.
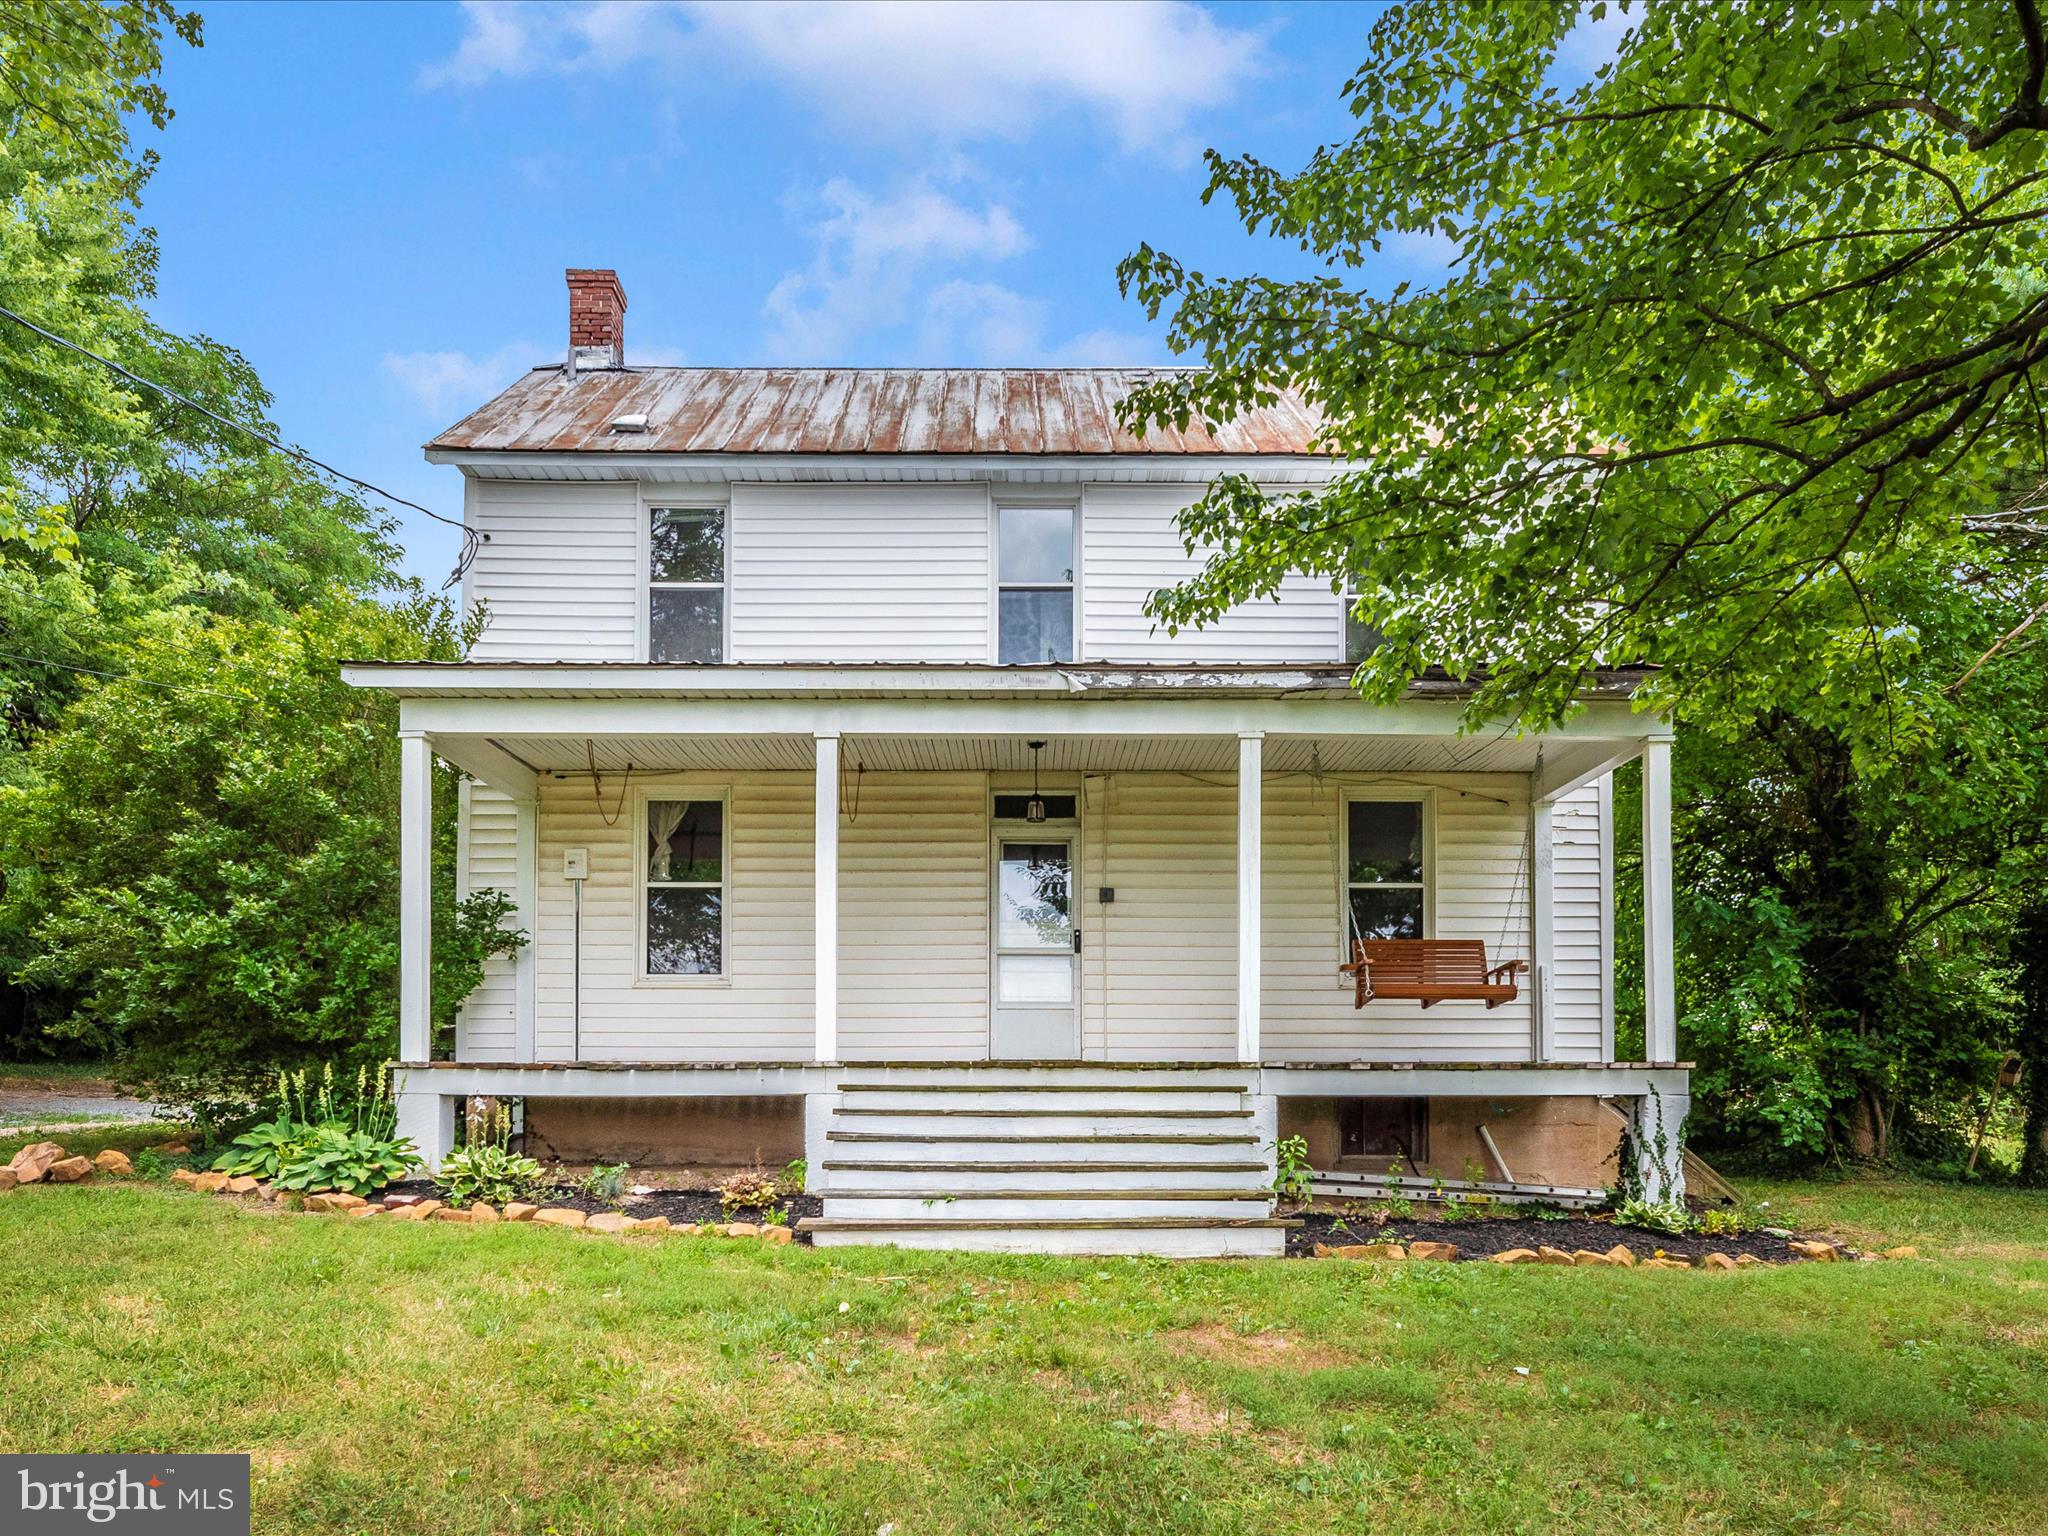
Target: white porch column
x=1542, y=928
x=826, y=922
x=415, y=896
x=526, y=891
x=1251, y=756
x=1660, y=991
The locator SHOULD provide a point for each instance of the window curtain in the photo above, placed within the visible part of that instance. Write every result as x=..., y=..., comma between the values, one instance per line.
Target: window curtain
x=663, y=817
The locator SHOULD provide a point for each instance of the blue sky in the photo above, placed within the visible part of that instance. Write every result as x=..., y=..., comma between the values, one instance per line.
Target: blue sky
x=375, y=203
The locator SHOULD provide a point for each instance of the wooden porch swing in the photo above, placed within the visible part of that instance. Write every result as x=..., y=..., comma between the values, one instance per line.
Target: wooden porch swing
x=1432, y=971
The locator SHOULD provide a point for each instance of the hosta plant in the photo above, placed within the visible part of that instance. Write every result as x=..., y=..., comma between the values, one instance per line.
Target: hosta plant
x=489, y=1172
x=334, y=1157
x=748, y=1190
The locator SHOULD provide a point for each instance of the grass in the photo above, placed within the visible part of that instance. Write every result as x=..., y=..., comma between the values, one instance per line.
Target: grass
x=438, y=1379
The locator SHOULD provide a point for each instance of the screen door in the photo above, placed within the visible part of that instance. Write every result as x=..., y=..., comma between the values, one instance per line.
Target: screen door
x=1035, y=1005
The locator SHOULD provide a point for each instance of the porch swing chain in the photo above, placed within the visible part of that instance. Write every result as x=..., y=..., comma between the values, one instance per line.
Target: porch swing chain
x=597, y=786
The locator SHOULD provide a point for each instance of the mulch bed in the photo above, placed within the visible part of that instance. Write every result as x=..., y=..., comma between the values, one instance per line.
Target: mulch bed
x=680, y=1206
x=1479, y=1236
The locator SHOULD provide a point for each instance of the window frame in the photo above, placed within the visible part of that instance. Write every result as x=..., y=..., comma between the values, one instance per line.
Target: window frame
x=643, y=797
x=1010, y=501
x=650, y=506
x=1347, y=594
x=1417, y=795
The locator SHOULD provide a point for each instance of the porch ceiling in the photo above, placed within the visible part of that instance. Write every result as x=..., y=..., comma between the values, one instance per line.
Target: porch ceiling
x=1011, y=754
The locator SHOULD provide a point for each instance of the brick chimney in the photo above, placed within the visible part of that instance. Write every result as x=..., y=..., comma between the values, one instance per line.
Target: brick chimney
x=597, y=319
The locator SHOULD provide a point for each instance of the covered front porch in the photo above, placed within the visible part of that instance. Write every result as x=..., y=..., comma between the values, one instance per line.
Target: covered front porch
x=804, y=870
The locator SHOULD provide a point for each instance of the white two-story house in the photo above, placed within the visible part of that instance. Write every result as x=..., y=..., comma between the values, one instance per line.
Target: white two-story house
x=854, y=806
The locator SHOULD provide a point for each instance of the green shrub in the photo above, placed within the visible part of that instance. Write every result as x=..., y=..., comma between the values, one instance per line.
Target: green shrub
x=1672, y=1217
x=334, y=1157
x=606, y=1181
x=1292, y=1172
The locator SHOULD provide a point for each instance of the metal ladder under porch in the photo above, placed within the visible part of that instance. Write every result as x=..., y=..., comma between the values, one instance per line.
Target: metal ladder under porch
x=1046, y=1158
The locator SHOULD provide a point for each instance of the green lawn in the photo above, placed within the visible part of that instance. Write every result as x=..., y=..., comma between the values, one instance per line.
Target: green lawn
x=431, y=1378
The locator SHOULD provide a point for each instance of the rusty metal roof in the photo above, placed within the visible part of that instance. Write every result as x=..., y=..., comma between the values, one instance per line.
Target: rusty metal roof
x=854, y=410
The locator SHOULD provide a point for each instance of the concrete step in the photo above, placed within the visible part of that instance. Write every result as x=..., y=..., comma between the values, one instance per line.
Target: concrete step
x=1171, y=1237
x=990, y=1205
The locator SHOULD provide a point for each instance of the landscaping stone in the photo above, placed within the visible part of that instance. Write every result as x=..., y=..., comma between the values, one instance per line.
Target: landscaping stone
x=1717, y=1261
x=607, y=1221
x=427, y=1208
x=1666, y=1261
x=1514, y=1256
x=33, y=1161
x=172, y=1149
x=742, y=1229
x=482, y=1214
x=370, y=1210
x=647, y=1224
x=1780, y=1233
x=211, y=1182
x=113, y=1160
x=335, y=1200
x=519, y=1210
x=1621, y=1257
x=1906, y=1251
x=1443, y=1253
x=184, y=1176
x=1820, y=1253
x=1747, y=1261
x=561, y=1216
x=1387, y=1251
x=9, y=1179
x=399, y=1202
x=1549, y=1255
x=70, y=1170
x=777, y=1235
x=1586, y=1258
x=447, y=1213
x=244, y=1185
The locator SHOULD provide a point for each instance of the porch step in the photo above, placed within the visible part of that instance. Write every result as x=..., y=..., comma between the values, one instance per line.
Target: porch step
x=1084, y=1179
x=1017, y=1099
x=971, y=1138
x=997, y=1158
x=1169, y=1236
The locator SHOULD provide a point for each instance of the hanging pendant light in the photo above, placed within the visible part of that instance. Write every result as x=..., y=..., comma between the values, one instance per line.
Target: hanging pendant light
x=1034, y=808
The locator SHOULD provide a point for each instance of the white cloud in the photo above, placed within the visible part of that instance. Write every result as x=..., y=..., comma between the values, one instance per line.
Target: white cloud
x=970, y=322
x=447, y=382
x=871, y=253
x=896, y=69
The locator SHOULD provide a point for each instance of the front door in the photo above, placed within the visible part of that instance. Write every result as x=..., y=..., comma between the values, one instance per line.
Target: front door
x=1036, y=950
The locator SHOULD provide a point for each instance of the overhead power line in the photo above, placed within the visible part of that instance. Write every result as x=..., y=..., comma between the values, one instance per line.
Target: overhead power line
x=469, y=535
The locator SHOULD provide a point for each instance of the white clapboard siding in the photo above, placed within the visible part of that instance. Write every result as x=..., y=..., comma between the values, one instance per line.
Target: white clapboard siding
x=559, y=571
x=913, y=917
x=762, y=1011
x=1160, y=978
x=1130, y=547
x=1581, y=991
x=1479, y=833
x=486, y=837
x=1159, y=961
x=860, y=573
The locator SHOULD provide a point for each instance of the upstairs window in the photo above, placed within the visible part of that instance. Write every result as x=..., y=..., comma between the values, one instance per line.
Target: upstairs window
x=1034, y=584
x=683, y=888
x=1383, y=869
x=686, y=584
x=1360, y=638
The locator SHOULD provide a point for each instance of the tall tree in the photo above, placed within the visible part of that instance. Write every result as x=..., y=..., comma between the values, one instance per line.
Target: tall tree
x=1734, y=372
x=1736, y=327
